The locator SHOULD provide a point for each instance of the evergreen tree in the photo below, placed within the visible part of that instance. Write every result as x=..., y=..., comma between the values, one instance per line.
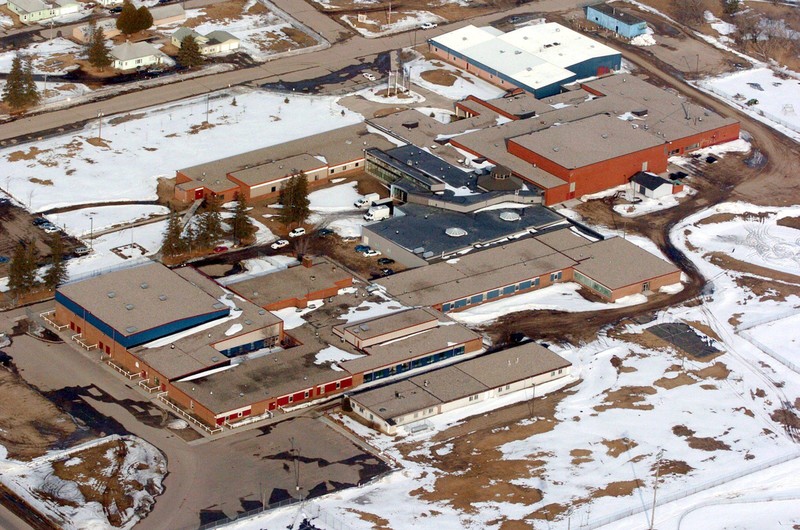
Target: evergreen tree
x=127, y=22
x=287, y=200
x=143, y=19
x=91, y=27
x=98, y=54
x=302, y=204
x=22, y=269
x=14, y=89
x=209, y=230
x=189, y=239
x=29, y=85
x=57, y=273
x=241, y=225
x=174, y=244
x=189, y=55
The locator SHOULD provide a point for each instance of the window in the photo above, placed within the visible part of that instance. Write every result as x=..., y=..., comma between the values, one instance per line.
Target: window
x=338, y=385
x=555, y=276
x=460, y=303
x=273, y=189
x=477, y=299
x=446, y=307
x=536, y=282
x=510, y=289
x=493, y=294
x=306, y=394
x=560, y=370
x=525, y=285
x=291, y=399
x=552, y=373
x=430, y=411
x=361, y=409
x=357, y=163
x=508, y=386
x=331, y=171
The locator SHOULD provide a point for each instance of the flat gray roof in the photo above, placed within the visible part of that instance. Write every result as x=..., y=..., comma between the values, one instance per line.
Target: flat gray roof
x=616, y=262
x=588, y=141
x=141, y=298
x=375, y=327
x=460, y=380
x=476, y=272
x=195, y=352
x=277, y=170
x=293, y=282
x=410, y=347
x=336, y=146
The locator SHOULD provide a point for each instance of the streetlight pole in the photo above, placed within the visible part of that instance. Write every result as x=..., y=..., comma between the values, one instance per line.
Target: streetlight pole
x=99, y=125
x=91, y=232
x=659, y=456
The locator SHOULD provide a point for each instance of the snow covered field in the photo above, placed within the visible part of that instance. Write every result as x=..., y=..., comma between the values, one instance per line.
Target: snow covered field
x=74, y=168
x=46, y=56
x=43, y=482
x=79, y=223
x=465, y=83
x=778, y=98
x=401, y=21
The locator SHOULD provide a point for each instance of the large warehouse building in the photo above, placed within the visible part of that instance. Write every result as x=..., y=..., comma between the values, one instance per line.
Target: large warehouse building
x=538, y=59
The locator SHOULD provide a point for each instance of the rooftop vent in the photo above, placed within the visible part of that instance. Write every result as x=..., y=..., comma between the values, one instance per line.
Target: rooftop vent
x=604, y=135
x=162, y=297
x=144, y=285
x=364, y=327
x=111, y=294
x=262, y=311
x=129, y=306
x=510, y=216
x=228, y=296
x=131, y=329
x=455, y=232
x=214, y=359
x=248, y=322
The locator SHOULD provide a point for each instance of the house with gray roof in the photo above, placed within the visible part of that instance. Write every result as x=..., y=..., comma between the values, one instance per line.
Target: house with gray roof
x=131, y=55
x=33, y=11
x=210, y=44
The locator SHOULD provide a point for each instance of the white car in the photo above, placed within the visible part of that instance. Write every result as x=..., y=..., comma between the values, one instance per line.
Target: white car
x=369, y=76
x=279, y=244
x=50, y=229
x=297, y=232
x=371, y=253
x=429, y=25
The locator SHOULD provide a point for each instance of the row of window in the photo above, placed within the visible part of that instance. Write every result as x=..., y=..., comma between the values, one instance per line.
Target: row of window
x=593, y=285
x=496, y=293
x=410, y=365
x=249, y=347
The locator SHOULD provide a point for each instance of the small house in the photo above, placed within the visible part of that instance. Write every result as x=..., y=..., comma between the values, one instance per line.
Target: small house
x=33, y=11
x=83, y=33
x=653, y=186
x=130, y=55
x=618, y=21
x=168, y=14
x=213, y=43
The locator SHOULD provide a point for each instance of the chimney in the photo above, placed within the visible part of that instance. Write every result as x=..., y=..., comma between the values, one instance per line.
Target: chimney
x=308, y=262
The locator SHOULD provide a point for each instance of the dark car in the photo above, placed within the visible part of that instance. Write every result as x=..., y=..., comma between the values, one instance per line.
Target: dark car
x=362, y=248
x=115, y=9
x=386, y=272
x=385, y=261
x=39, y=221
x=322, y=232
x=3, y=259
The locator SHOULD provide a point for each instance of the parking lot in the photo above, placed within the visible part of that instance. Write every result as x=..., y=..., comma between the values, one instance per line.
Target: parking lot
x=209, y=479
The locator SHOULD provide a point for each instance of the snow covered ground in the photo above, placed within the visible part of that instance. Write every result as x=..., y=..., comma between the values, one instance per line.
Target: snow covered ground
x=140, y=475
x=258, y=267
x=335, y=199
x=45, y=56
x=778, y=98
x=75, y=171
x=403, y=20
x=465, y=83
x=559, y=297
x=79, y=223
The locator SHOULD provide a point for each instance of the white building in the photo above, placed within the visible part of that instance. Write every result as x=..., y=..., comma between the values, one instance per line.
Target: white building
x=653, y=186
x=130, y=55
x=491, y=376
x=210, y=44
x=32, y=11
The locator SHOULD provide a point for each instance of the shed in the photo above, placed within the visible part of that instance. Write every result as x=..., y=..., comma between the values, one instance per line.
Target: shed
x=618, y=21
x=653, y=186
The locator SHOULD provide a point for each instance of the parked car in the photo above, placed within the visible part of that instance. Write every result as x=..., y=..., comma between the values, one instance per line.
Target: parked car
x=362, y=248
x=50, y=228
x=279, y=244
x=297, y=232
x=220, y=248
x=81, y=251
x=371, y=253
x=38, y=221
x=116, y=9
x=514, y=19
x=386, y=272
x=429, y=25
x=4, y=259
x=323, y=232
x=369, y=76
x=385, y=261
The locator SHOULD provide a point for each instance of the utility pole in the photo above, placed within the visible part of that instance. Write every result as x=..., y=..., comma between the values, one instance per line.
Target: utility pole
x=91, y=232
x=659, y=456
x=99, y=125
x=208, y=100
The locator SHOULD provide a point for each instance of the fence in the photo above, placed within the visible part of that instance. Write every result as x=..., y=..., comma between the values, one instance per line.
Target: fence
x=781, y=359
x=665, y=499
x=769, y=116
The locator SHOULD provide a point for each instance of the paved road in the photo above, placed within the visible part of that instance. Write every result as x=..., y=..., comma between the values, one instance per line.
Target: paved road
x=9, y=521
x=341, y=54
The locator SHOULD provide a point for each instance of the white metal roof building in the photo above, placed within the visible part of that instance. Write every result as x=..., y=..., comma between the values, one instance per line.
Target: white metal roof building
x=538, y=58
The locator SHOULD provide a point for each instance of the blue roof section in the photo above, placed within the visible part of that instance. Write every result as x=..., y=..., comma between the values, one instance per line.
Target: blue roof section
x=424, y=227
x=423, y=166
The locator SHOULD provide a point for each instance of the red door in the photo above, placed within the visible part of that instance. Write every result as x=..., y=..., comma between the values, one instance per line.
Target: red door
x=198, y=194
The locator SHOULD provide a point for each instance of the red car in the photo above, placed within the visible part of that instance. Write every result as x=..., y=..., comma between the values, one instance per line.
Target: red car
x=219, y=249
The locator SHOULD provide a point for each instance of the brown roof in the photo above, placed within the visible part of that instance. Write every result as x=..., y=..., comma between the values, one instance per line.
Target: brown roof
x=141, y=298
x=587, y=141
x=616, y=262
x=277, y=170
x=375, y=327
x=294, y=282
x=460, y=380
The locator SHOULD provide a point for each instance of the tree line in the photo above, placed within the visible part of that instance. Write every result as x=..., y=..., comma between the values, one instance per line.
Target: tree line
x=23, y=270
